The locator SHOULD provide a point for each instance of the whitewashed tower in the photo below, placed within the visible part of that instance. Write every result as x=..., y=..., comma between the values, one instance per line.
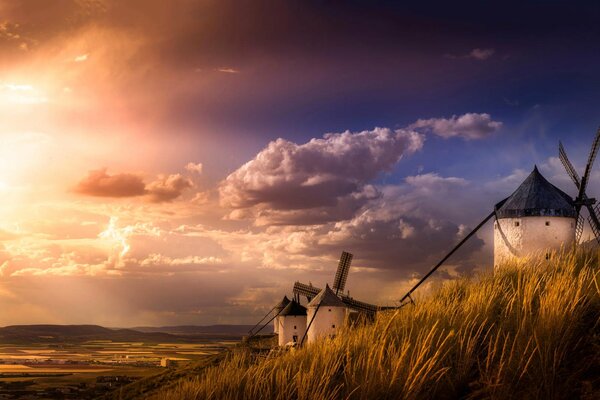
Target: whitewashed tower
x=536, y=219
x=326, y=315
x=292, y=323
x=278, y=309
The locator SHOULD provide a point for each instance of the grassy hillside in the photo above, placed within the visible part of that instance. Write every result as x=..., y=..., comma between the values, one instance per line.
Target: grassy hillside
x=528, y=331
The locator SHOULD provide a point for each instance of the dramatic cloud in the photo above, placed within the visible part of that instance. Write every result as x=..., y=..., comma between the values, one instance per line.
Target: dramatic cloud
x=320, y=173
x=409, y=226
x=100, y=183
x=165, y=188
x=468, y=126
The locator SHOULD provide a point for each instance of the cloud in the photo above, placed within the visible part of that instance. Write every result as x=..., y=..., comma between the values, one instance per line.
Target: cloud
x=468, y=126
x=99, y=183
x=155, y=259
x=410, y=226
x=228, y=70
x=167, y=188
x=323, y=173
x=194, y=167
x=81, y=58
x=481, y=54
x=476, y=54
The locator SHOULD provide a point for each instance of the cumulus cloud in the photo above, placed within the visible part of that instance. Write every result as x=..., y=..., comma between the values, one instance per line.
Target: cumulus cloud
x=321, y=173
x=101, y=184
x=468, y=126
x=410, y=226
x=167, y=187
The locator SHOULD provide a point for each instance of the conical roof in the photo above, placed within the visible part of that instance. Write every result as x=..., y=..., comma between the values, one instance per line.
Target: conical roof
x=326, y=297
x=283, y=303
x=536, y=197
x=293, y=308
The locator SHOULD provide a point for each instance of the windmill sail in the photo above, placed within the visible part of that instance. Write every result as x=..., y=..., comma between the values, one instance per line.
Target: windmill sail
x=594, y=220
x=562, y=155
x=582, y=198
x=579, y=228
x=590, y=163
x=302, y=289
x=339, y=283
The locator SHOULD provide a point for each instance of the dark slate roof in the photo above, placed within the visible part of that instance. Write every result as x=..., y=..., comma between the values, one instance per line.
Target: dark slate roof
x=536, y=197
x=284, y=302
x=326, y=297
x=293, y=308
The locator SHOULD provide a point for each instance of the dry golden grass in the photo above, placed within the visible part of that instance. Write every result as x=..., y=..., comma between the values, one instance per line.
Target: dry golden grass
x=528, y=331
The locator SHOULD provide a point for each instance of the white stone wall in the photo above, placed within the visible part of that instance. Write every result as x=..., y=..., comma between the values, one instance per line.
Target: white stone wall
x=290, y=326
x=520, y=237
x=326, y=323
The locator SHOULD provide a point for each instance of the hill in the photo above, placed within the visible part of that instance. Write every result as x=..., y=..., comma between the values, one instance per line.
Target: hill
x=528, y=331
x=26, y=334
x=223, y=330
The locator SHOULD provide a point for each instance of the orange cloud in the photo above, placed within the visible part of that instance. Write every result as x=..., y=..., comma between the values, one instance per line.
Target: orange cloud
x=167, y=188
x=99, y=183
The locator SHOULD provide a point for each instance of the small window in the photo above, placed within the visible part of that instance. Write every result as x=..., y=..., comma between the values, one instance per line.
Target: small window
x=294, y=326
x=330, y=309
x=333, y=326
x=547, y=223
x=517, y=223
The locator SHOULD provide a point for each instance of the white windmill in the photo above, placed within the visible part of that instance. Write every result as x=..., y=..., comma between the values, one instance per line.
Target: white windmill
x=538, y=217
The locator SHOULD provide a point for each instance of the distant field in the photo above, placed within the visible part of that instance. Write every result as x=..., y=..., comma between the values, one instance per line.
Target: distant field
x=75, y=368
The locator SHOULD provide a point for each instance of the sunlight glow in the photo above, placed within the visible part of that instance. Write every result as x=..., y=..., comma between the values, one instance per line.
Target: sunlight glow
x=13, y=93
x=118, y=235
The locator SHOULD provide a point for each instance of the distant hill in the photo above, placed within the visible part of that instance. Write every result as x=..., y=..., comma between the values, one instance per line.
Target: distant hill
x=20, y=334
x=80, y=333
x=234, y=330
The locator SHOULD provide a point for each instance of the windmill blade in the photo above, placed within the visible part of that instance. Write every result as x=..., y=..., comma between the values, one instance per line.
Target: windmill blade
x=303, y=289
x=423, y=279
x=590, y=163
x=562, y=155
x=362, y=306
x=310, y=292
x=341, y=274
x=579, y=228
x=594, y=220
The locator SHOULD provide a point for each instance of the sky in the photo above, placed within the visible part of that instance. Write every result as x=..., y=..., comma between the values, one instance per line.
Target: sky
x=186, y=162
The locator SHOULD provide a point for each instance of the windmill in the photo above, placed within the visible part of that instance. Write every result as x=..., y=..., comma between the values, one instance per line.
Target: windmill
x=310, y=292
x=582, y=199
x=339, y=284
x=552, y=217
